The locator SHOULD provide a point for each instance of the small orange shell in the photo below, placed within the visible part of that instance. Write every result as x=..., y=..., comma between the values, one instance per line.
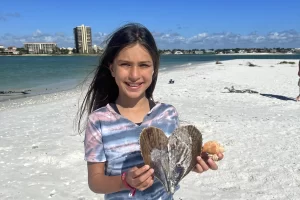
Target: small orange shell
x=212, y=147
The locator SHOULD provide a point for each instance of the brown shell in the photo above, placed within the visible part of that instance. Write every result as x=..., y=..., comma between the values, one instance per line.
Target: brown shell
x=171, y=158
x=212, y=147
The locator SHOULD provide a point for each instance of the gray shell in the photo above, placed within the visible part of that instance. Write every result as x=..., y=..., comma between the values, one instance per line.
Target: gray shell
x=171, y=158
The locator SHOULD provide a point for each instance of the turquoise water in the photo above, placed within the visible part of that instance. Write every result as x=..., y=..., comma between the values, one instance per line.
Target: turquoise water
x=20, y=72
x=45, y=73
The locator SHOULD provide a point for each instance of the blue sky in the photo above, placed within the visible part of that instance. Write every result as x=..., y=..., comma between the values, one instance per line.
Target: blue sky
x=175, y=24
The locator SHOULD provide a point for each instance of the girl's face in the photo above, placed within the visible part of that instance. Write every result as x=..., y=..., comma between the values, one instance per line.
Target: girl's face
x=133, y=69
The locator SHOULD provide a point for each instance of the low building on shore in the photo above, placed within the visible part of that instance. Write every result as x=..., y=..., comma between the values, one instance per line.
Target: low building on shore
x=198, y=52
x=40, y=47
x=10, y=51
x=178, y=52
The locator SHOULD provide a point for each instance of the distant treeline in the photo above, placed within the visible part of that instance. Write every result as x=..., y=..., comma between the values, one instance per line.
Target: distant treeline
x=64, y=51
x=231, y=50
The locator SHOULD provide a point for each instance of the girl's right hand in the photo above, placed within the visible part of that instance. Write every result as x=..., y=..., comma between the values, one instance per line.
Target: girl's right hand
x=140, y=178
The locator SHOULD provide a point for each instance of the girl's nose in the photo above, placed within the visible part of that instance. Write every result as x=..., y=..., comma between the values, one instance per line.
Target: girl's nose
x=134, y=73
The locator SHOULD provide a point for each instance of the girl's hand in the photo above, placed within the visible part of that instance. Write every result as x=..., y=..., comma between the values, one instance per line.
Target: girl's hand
x=205, y=163
x=140, y=178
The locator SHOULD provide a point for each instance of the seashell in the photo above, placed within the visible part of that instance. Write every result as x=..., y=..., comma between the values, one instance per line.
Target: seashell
x=212, y=148
x=171, y=158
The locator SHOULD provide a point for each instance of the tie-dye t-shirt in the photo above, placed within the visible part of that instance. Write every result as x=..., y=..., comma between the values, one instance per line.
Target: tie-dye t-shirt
x=114, y=139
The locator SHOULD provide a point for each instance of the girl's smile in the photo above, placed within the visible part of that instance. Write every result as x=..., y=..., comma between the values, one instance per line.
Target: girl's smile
x=134, y=86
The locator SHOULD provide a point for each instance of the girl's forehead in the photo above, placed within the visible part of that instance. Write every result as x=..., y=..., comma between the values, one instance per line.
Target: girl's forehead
x=134, y=52
x=134, y=47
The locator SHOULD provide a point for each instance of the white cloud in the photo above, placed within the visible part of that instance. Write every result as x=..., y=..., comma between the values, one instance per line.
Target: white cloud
x=98, y=38
x=205, y=40
x=37, y=33
x=171, y=40
x=6, y=16
x=37, y=36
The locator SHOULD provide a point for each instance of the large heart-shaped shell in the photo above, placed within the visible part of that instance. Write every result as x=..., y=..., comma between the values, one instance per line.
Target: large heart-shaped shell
x=171, y=158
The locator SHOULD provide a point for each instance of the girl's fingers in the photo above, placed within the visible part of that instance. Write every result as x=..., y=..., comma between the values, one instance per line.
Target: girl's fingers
x=143, y=178
x=139, y=171
x=202, y=163
x=212, y=164
x=145, y=184
x=220, y=156
x=135, y=176
x=198, y=168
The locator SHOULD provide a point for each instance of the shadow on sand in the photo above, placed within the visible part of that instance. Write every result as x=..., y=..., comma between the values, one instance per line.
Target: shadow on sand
x=280, y=97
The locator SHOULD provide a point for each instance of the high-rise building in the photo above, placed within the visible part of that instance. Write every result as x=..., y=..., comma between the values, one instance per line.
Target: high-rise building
x=83, y=39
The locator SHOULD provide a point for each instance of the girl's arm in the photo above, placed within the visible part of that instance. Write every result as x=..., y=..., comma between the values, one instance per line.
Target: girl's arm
x=139, y=178
x=100, y=183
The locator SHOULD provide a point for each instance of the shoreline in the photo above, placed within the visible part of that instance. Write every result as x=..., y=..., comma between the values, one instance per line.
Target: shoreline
x=229, y=54
x=46, y=92
x=257, y=54
x=37, y=91
x=52, y=55
x=47, y=89
x=52, y=89
x=37, y=98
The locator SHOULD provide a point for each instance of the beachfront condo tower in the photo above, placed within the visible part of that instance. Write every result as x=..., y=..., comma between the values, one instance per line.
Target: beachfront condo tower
x=83, y=39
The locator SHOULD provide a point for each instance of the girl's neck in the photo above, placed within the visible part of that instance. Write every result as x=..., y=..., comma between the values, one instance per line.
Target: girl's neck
x=133, y=110
x=132, y=103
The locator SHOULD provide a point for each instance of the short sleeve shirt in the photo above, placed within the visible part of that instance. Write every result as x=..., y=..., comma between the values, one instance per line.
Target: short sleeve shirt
x=113, y=139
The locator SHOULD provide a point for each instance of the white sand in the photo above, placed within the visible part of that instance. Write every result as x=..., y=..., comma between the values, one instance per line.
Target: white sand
x=41, y=156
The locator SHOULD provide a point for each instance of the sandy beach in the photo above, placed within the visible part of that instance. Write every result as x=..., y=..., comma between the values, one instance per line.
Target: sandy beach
x=41, y=155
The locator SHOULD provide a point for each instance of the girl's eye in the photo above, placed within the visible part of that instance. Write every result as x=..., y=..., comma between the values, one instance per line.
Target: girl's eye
x=125, y=64
x=144, y=65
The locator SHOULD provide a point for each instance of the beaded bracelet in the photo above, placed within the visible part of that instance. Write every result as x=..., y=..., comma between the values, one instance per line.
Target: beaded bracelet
x=132, y=189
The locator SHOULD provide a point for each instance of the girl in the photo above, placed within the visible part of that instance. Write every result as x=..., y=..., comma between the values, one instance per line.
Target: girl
x=120, y=105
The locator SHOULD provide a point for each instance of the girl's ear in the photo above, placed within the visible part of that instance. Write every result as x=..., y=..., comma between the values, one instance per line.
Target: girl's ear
x=111, y=70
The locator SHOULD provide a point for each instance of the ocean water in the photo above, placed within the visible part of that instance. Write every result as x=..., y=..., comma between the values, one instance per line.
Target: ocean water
x=45, y=74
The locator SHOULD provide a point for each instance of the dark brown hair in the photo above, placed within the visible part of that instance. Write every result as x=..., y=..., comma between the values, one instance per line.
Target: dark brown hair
x=103, y=88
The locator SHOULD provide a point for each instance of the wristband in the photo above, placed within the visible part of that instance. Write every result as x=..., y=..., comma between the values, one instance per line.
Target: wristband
x=132, y=189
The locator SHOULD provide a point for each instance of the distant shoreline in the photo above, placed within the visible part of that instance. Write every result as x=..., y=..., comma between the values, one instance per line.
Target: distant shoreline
x=255, y=54
x=54, y=55
x=228, y=54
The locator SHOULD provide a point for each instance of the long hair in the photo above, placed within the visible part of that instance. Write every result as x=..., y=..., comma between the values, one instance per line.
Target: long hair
x=103, y=88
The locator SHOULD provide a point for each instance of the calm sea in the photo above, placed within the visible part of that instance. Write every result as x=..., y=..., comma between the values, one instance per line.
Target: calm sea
x=45, y=74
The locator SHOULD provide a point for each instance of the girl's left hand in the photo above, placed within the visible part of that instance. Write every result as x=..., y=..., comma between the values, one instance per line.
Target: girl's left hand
x=205, y=163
